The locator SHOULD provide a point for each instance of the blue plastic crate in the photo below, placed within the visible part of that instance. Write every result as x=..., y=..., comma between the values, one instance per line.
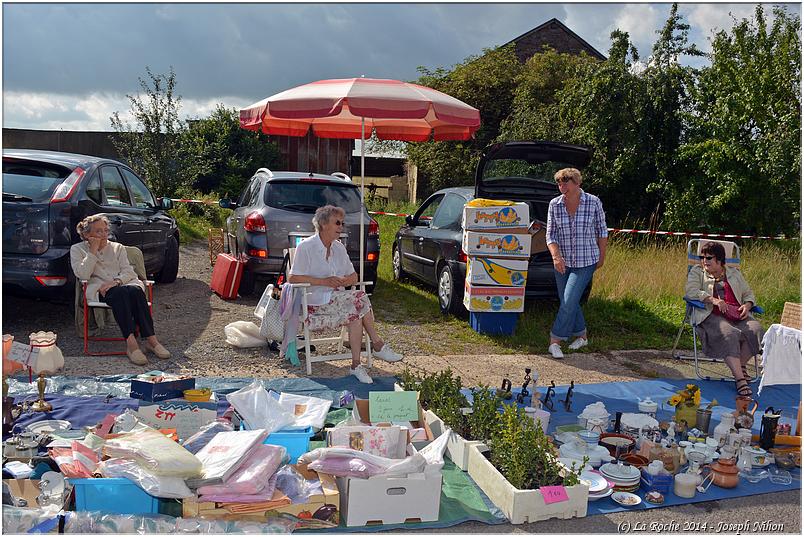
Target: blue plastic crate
x=660, y=483
x=113, y=495
x=495, y=324
x=296, y=441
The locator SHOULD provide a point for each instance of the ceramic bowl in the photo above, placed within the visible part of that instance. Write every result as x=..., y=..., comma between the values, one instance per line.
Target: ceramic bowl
x=626, y=499
x=612, y=441
x=635, y=460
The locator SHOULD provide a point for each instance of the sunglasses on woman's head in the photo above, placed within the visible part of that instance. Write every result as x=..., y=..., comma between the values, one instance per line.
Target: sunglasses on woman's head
x=564, y=180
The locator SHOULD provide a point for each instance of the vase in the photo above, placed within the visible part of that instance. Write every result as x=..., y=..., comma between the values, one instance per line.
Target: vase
x=686, y=412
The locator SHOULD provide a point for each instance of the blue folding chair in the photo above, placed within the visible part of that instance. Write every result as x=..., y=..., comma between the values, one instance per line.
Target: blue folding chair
x=693, y=259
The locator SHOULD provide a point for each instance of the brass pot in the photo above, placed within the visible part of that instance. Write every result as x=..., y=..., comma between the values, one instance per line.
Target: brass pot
x=725, y=473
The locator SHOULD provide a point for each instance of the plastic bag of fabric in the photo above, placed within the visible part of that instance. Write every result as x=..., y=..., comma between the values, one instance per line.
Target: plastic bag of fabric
x=155, y=485
x=205, y=434
x=224, y=455
x=408, y=465
x=264, y=495
x=261, y=411
x=274, y=525
x=346, y=467
x=244, y=334
x=89, y=522
x=308, y=411
x=254, y=474
x=20, y=520
x=295, y=486
x=155, y=452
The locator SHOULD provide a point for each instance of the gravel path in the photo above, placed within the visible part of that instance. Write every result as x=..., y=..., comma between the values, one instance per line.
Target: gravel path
x=190, y=319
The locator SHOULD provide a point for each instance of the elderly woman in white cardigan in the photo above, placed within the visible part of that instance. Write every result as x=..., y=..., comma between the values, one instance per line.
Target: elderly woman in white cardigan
x=111, y=279
x=323, y=262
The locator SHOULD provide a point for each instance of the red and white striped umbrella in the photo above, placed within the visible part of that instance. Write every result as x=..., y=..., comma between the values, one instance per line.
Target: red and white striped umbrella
x=354, y=107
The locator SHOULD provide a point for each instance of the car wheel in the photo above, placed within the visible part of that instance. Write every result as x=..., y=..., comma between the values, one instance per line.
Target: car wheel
x=171, y=267
x=247, y=283
x=450, y=299
x=396, y=263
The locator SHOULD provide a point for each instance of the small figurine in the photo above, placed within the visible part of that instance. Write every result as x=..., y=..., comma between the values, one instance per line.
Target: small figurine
x=505, y=390
x=524, y=393
x=568, y=399
x=548, y=396
x=671, y=431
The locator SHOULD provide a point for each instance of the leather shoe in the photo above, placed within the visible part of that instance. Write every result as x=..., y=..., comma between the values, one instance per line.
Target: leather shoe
x=159, y=350
x=137, y=357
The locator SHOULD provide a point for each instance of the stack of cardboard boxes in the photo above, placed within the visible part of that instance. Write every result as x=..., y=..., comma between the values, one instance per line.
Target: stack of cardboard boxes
x=498, y=246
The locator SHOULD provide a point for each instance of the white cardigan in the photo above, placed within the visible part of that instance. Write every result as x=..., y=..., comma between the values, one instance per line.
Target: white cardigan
x=111, y=262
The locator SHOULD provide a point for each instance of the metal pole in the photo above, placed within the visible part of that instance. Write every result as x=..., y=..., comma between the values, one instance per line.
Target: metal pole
x=362, y=193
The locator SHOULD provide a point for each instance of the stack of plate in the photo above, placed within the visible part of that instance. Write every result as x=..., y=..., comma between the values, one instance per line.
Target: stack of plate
x=625, y=478
x=599, y=486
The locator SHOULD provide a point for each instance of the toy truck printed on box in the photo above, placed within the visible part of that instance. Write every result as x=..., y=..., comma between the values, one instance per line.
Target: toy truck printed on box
x=500, y=217
x=494, y=299
x=506, y=272
x=497, y=244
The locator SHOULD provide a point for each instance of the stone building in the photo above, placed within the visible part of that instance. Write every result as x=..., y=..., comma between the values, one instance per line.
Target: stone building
x=553, y=34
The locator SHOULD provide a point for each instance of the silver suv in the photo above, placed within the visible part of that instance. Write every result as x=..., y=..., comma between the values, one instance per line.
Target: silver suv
x=275, y=211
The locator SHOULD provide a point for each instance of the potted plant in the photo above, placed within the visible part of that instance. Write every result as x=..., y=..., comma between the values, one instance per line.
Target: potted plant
x=519, y=461
x=686, y=402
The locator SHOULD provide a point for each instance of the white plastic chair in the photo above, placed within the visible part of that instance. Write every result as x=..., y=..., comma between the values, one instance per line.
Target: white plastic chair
x=693, y=259
x=306, y=339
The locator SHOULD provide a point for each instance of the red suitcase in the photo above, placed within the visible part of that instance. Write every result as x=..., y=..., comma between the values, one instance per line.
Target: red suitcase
x=226, y=276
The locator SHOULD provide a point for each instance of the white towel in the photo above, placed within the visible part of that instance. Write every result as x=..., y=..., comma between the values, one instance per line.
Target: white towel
x=781, y=356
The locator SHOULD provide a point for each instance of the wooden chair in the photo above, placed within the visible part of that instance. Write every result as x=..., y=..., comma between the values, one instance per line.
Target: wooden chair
x=136, y=259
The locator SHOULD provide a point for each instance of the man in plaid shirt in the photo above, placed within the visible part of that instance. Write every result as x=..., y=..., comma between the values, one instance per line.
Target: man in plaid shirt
x=577, y=239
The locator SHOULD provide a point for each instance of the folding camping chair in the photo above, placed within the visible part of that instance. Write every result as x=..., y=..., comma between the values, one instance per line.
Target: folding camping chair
x=308, y=342
x=694, y=258
x=99, y=309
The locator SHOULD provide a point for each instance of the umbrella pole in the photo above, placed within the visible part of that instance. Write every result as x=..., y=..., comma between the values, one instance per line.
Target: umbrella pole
x=362, y=193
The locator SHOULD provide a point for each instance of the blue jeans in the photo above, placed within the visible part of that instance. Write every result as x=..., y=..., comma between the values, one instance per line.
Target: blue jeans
x=571, y=285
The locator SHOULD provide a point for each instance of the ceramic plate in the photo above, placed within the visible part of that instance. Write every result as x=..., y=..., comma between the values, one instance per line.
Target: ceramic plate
x=70, y=434
x=626, y=499
x=620, y=472
x=605, y=494
x=596, y=482
x=47, y=426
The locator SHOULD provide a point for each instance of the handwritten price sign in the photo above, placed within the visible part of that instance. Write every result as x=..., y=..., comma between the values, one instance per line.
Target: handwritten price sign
x=554, y=494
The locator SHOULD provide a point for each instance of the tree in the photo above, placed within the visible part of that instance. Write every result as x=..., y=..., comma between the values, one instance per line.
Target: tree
x=742, y=158
x=152, y=147
x=221, y=156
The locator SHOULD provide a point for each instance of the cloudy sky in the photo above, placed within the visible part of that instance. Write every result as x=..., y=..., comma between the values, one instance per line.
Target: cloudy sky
x=69, y=66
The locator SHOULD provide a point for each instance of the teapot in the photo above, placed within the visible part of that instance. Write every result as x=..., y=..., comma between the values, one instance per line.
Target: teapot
x=647, y=406
x=744, y=418
x=725, y=473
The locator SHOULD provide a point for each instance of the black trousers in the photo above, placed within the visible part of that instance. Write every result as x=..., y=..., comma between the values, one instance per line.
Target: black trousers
x=130, y=309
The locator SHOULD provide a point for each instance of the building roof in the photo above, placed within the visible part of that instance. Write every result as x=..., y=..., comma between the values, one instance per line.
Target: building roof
x=533, y=40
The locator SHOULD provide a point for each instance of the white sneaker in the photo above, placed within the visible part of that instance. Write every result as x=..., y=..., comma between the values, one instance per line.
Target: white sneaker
x=385, y=353
x=578, y=343
x=361, y=374
x=555, y=350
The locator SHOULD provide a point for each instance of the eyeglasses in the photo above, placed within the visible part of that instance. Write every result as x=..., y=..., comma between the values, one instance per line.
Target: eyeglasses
x=564, y=180
x=339, y=222
x=708, y=257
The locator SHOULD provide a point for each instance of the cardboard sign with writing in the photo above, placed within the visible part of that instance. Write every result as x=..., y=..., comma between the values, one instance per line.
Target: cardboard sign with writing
x=186, y=417
x=393, y=406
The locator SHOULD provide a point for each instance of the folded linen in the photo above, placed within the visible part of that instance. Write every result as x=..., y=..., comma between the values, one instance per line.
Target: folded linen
x=264, y=495
x=253, y=475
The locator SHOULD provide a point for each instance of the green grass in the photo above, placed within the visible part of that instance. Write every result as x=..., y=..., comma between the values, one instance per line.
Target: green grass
x=194, y=220
x=636, y=300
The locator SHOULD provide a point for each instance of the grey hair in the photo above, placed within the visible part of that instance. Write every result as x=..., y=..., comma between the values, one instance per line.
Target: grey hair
x=323, y=215
x=84, y=225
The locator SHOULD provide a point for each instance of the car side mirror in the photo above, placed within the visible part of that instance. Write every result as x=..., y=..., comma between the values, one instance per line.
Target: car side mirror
x=409, y=220
x=166, y=203
x=226, y=204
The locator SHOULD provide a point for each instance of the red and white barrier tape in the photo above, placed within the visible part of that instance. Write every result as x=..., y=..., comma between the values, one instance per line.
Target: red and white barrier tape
x=657, y=232
x=611, y=229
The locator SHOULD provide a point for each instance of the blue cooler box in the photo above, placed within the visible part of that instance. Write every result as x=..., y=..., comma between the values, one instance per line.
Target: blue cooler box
x=493, y=324
x=296, y=441
x=113, y=495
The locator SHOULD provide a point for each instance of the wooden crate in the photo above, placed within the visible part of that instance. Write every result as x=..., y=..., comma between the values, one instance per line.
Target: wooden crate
x=215, y=242
x=791, y=315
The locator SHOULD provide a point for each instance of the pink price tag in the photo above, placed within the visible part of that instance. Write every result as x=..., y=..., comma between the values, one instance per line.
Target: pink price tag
x=554, y=494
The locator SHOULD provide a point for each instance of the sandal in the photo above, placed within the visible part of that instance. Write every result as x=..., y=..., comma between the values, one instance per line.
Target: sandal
x=743, y=388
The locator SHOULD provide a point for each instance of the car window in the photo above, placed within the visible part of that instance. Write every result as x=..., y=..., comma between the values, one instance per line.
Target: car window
x=307, y=196
x=449, y=212
x=142, y=196
x=26, y=180
x=428, y=210
x=114, y=187
x=245, y=194
x=255, y=192
x=94, y=189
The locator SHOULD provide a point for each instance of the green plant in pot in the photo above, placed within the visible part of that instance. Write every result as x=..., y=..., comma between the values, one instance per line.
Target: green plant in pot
x=524, y=455
x=440, y=393
x=484, y=420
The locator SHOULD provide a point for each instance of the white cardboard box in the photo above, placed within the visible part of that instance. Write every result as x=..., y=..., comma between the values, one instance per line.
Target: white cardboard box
x=481, y=243
x=495, y=271
x=457, y=446
x=186, y=417
x=499, y=217
x=390, y=500
x=494, y=299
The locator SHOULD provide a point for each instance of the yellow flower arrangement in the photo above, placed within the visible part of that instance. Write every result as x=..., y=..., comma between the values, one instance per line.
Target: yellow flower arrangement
x=691, y=395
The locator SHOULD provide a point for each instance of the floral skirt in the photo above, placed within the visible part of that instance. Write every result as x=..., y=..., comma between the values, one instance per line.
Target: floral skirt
x=343, y=308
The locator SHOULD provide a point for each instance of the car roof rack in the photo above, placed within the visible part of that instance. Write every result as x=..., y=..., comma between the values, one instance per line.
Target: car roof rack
x=265, y=170
x=342, y=175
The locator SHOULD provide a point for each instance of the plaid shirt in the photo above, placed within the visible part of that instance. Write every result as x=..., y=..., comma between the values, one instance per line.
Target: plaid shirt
x=577, y=235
